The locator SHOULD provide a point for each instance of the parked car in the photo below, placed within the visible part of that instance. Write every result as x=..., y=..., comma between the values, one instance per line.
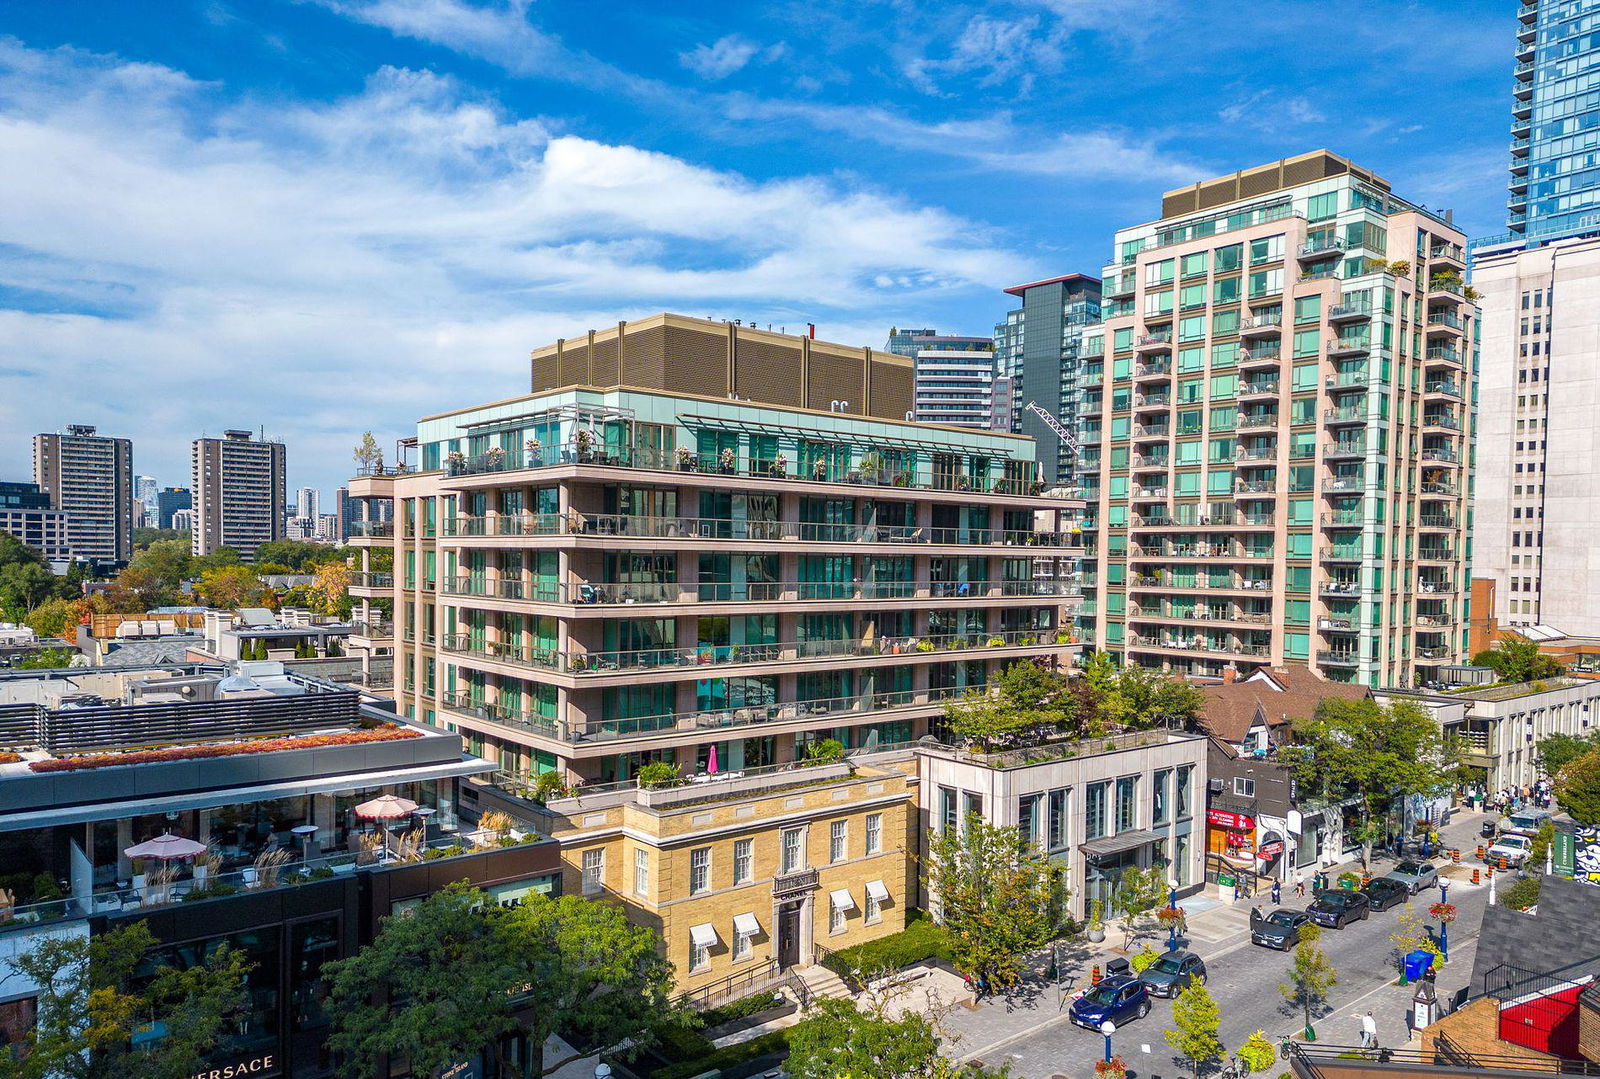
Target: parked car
x=1120, y=1000
x=1415, y=875
x=1172, y=973
x=1525, y=822
x=1337, y=908
x=1386, y=892
x=1280, y=929
x=1515, y=849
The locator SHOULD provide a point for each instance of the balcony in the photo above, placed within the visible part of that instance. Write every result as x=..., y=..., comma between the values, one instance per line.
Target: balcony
x=1149, y=432
x=1444, y=320
x=1350, y=312
x=1436, y=521
x=744, y=531
x=363, y=530
x=1345, y=415
x=1147, y=401
x=1146, y=461
x=1256, y=454
x=1439, y=490
x=1343, y=484
x=1522, y=109
x=1436, y=554
x=1340, y=588
x=1340, y=553
x=1254, y=359
x=1440, y=456
x=1352, y=346
x=1356, y=378
x=1250, y=388
x=1147, y=493
x=1433, y=655
x=1261, y=325
x=1246, y=489
x=1337, y=625
x=382, y=582
x=1257, y=422
x=1329, y=247
x=1340, y=658
x=1344, y=518
x=1152, y=369
x=1443, y=421
x=1519, y=147
x=1154, y=342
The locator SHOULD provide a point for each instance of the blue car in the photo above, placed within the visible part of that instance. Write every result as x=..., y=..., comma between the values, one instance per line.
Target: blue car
x=1120, y=1000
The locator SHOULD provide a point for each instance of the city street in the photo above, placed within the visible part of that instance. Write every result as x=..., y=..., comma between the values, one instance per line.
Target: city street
x=1032, y=1032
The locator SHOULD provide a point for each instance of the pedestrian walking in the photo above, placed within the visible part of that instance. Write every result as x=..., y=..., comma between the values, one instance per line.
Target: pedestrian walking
x=1369, y=1032
x=1299, y=885
x=1275, y=891
x=1238, y=889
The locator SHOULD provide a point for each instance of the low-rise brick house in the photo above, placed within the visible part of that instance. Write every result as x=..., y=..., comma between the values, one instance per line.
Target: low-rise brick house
x=746, y=875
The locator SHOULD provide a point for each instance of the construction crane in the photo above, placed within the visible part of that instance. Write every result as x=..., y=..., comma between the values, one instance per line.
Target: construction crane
x=1055, y=425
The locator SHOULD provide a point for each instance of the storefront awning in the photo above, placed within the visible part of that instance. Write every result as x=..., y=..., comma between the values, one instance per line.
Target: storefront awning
x=746, y=925
x=1132, y=839
x=841, y=899
x=878, y=890
x=704, y=934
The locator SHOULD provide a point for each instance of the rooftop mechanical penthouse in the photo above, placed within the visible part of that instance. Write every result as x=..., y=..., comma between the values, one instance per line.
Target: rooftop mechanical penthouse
x=594, y=577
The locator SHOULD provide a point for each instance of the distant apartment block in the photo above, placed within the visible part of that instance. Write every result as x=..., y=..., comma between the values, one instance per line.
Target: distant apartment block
x=169, y=500
x=26, y=514
x=238, y=492
x=308, y=503
x=1043, y=350
x=955, y=383
x=1279, y=456
x=89, y=477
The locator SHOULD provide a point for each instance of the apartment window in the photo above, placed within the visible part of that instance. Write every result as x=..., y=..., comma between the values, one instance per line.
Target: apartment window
x=741, y=944
x=835, y=918
x=973, y=805
x=699, y=870
x=594, y=870
x=743, y=861
x=1160, y=807
x=838, y=841
x=699, y=954
x=1094, y=810
x=793, y=839
x=1028, y=820
x=873, y=910
x=1181, y=792
x=1127, y=807
x=947, y=809
x=1057, y=836
x=1244, y=788
x=641, y=871
x=874, y=833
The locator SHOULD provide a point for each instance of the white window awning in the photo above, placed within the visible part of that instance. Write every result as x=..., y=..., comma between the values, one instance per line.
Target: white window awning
x=842, y=900
x=746, y=925
x=704, y=934
x=878, y=890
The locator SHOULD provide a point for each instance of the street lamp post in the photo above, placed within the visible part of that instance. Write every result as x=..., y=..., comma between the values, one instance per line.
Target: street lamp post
x=1108, y=1028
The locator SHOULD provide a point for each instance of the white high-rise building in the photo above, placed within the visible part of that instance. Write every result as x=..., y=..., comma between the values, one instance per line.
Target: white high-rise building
x=308, y=503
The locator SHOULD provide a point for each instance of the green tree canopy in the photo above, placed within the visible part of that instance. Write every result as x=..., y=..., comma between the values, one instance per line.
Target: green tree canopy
x=168, y=562
x=837, y=1040
x=232, y=587
x=144, y=537
x=1557, y=749
x=95, y=990
x=45, y=659
x=299, y=555
x=1311, y=976
x=57, y=618
x=1379, y=753
x=999, y=899
x=1517, y=659
x=458, y=973
x=1578, y=788
x=1025, y=703
x=1197, y=1019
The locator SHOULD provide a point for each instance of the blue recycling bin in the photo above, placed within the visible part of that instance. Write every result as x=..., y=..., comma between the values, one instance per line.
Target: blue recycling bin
x=1417, y=964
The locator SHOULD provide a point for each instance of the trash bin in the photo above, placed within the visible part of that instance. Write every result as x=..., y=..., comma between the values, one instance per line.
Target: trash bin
x=1417, y=963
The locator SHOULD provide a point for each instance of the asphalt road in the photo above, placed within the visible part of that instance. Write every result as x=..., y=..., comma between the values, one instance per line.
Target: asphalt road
x=1244, y=980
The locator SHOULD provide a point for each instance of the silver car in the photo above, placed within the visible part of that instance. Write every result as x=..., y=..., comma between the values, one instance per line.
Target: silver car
x=1172, y=973
x=1415, y=875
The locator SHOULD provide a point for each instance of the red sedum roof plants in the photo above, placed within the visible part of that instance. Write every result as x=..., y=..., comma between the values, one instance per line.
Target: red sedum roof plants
x=222, y=749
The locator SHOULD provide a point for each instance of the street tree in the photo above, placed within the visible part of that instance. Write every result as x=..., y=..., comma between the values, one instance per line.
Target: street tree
x=1257, y=1054
x=1578, y=788
x=94, y=992
x=458, y=974
x=1198, y=1020
x=1139, y=893
x=1556, y=750
x=998, y=898
x=838, y=1040
x=1311, y=976
x=1376, y=753
x=1517, y=659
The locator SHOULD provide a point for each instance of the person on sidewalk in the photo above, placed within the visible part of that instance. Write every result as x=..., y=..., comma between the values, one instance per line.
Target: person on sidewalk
x=1238, y=889
x=1369, y=1032
x=1299, y=885
x=1276, y=891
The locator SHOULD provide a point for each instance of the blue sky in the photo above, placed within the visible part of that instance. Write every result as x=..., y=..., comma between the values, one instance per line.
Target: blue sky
x=327, y=216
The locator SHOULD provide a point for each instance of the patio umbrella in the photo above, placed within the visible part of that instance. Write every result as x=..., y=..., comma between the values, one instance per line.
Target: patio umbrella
x=166, y=848
x=385, y=807
x=711, y=762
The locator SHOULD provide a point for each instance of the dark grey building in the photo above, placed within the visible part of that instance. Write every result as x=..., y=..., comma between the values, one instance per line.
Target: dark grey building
x=26, y=514
x=1041, y=347
x=170, y=500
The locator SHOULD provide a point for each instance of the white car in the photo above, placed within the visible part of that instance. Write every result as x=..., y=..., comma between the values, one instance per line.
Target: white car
x=1515, y=849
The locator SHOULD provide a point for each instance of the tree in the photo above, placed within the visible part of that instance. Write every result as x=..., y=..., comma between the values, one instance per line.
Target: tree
x=231, y=587
x=298, y=555
x=1197, y=1018
x=23, y=586
x=368, y=454
x=1311, y=975
x=222, y=556
x=1373, y=752
x=57, y=617
x=1139, y=892
x=45, y=659
x=1578, y=788
x=838, y=1040
x=998, y=898
x=1557, y=749
x=1025, y=702
x=1140, y=698
x=145, y=537
x=168, y=562
x=134, y=590
x=458, y=974
x=1517, y=659
x=1257, y=1054
x=330, y=591
x=94, y=991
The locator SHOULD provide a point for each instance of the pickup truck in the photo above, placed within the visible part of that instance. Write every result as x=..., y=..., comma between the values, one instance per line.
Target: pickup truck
x=1514, y=848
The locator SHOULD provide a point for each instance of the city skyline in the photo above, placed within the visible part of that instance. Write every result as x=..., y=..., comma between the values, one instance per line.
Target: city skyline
x=419, y=196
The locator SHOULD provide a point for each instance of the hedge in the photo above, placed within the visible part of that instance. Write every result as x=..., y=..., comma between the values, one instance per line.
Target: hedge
x=776, y=1041
x=921, y=939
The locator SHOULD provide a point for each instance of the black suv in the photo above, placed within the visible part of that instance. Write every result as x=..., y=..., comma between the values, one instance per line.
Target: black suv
x=1385, y=892
x=1338, y=908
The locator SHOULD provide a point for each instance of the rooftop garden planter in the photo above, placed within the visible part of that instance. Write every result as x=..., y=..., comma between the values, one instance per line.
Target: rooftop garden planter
x=222, y=749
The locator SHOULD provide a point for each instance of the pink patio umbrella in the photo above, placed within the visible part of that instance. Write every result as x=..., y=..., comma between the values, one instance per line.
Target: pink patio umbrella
x=711, y=763
x=385, y=807
x=166, y=848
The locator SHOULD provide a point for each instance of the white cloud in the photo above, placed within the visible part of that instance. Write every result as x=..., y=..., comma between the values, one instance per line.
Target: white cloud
x=721, y=58
x=1267, y=110
x=326, y=268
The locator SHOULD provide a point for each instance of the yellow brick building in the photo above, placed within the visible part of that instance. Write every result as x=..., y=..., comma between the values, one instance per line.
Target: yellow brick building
x=744, y=875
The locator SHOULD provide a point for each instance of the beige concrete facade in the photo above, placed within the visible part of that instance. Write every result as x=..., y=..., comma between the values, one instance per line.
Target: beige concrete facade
x=1539, y=445
x=756, y=867
x=594, y=579
x=1278, y=442
x=89, y=477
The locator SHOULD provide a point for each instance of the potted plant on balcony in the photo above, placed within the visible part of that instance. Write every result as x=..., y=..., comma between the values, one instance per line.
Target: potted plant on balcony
x=657, y=775
x=584, y=440
x=725, y=461
x=534, y=451
x=902, y=479
x=996, y=642
x=455, y=459
x=495, y=455
x=871, y=466
x=819, y=470
x=779, y=465
x=685, y=459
